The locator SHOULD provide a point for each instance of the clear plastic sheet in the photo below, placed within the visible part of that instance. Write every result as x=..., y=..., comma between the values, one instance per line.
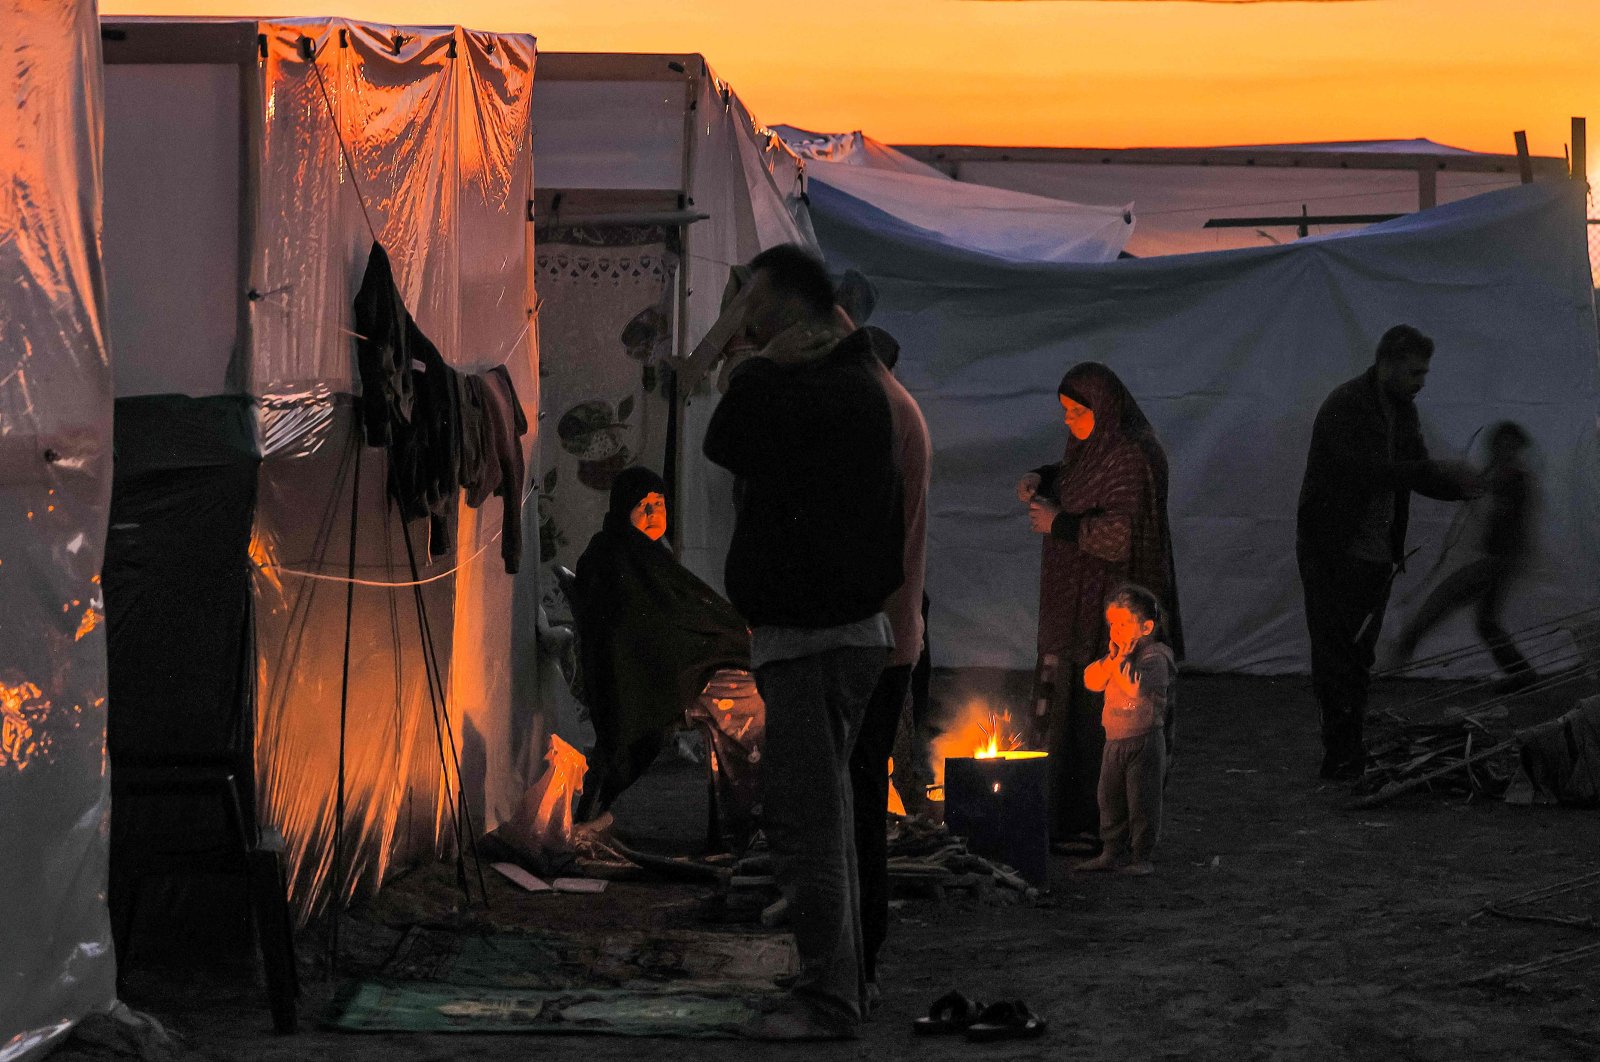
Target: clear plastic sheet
x=733, y=718
x=56, y=962
x=434, y=123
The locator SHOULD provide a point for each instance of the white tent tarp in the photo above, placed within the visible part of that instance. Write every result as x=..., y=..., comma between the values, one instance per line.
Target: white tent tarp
x=423, y=133
x=1230, y=355
x=56, y=963
x=1006, y=224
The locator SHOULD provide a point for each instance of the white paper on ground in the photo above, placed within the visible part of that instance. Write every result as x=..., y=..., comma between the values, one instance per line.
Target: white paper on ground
x=587, y=885
x=518, y=876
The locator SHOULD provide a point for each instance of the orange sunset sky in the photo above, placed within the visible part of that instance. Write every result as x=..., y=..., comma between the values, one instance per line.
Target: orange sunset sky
x=1088, y=72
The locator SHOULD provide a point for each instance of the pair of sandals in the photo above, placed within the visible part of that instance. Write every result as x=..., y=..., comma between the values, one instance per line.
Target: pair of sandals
x=955, y=1014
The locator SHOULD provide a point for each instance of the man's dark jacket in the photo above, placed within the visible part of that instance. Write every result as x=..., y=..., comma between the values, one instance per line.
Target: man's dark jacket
x=819, y=534
x=1348, y=465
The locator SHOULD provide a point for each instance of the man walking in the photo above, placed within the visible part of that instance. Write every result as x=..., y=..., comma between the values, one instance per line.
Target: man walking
x=1367, y=457
x=817, y=542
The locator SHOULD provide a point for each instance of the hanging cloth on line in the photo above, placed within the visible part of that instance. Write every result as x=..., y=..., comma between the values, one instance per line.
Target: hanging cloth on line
x=445, y=431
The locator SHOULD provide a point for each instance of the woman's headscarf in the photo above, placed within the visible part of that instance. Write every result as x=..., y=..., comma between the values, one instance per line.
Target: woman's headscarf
x=1117, y=416
x=630, y=488
x=1118, y=420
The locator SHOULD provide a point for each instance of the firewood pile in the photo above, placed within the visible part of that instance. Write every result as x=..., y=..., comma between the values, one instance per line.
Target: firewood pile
x=926, y=859
x=1458, y=756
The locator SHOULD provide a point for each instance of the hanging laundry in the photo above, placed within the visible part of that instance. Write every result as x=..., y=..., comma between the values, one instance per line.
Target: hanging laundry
x=500, y=470
x=444, y=430
x=382, y=359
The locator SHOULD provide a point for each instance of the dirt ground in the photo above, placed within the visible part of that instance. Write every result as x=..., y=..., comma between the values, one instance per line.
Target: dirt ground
x=1279, y=925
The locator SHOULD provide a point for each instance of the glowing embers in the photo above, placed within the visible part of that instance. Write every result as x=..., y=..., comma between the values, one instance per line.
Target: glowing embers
x=981, y=733
x=24, y=737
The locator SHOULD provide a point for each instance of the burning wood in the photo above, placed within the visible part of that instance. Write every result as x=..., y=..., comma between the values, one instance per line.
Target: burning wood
x=982, y=733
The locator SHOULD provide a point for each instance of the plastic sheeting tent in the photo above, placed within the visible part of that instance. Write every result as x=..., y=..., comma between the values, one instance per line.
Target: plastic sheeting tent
x=1175, y=191
x=56, y=964
x=653, y=179
x=245, y=163
x=1230, y=355
x=1008, y=225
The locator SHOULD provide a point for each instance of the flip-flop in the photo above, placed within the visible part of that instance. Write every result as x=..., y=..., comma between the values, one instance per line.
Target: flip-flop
x=1006, y=1020
x=951, y=1013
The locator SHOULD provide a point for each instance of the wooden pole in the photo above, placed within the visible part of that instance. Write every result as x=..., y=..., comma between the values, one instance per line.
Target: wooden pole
x=1427, y=187
x=1580, y=150
x=1524, y=163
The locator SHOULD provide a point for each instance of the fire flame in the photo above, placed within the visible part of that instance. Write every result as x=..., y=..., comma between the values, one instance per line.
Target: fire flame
x=981, y=732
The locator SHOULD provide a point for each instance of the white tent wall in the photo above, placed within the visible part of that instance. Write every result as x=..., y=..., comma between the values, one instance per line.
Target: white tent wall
x=665, y=128
x=1230, y=355
x=56, y=962
x=436, y=154
x=435, y=122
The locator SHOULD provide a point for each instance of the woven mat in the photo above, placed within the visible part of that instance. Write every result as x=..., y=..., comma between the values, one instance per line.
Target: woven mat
x=620, y=983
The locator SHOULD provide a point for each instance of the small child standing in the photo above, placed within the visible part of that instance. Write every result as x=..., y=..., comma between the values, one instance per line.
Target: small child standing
x=1139, y=676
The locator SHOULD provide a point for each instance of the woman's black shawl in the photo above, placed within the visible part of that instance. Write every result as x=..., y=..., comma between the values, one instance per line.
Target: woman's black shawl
x=650, y=636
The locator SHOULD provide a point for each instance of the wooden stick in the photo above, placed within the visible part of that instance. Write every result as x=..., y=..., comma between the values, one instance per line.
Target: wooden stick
x=1544, y=892
x=1524, y=162
x=1580, y=150
x=1514, y=970
x=1394, y=789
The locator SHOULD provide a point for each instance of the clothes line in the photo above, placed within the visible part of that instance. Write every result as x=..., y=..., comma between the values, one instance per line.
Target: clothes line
x=386, y=584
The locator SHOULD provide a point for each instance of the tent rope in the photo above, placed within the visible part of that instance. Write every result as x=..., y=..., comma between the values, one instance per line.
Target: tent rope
x=461, y=811
x=388, y=584
x=344, y=150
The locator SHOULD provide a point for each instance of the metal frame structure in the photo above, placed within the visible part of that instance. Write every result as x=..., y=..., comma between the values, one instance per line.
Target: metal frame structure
x=673, y=207
x=1427, y=167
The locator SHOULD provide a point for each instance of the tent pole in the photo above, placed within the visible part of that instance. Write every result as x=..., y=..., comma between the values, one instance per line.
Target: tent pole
x=1427, y=187
x=1580, y=150
x=344, y=706
x=673, y=459
x=1524, y=162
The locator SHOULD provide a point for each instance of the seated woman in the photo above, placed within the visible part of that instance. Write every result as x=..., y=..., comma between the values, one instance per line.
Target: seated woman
x=659, y=648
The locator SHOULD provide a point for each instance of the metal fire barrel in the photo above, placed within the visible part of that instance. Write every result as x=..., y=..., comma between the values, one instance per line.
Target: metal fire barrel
x=1000, y=804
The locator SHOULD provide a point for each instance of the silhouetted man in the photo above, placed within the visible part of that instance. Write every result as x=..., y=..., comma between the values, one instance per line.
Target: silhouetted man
x=805, y=426
x=1367, y=457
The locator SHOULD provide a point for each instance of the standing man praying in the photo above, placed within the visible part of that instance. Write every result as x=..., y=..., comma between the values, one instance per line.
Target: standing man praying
x=1366, y=458
x=805, y=425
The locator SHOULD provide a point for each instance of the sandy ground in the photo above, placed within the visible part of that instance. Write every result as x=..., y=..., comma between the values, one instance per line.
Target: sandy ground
x=1279, y=926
